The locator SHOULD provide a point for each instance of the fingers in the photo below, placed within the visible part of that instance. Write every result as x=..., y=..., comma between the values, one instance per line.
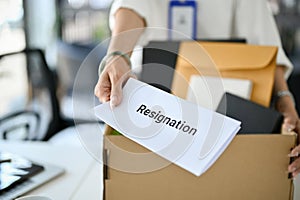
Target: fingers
x=116, y=92
x=295, y=152
x=297, y=128
x=290, y=123
x=102, y=89
x=287, y=126
x=109, y=89
x=117, y=84
x=110, y=83
x=294, y=167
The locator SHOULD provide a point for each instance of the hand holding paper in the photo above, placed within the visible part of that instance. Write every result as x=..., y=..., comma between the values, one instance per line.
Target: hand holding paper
x=182, y=132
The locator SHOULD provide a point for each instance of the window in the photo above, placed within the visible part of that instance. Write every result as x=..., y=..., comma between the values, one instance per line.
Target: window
x=12, y=38
x=84, y=21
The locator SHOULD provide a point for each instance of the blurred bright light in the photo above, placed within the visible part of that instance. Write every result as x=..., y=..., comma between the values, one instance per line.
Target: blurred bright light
x=76, y=3
x=11, y=11
x=100, y=4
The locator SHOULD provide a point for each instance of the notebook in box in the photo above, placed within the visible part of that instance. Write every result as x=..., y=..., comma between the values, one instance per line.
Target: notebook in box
x=255, y=118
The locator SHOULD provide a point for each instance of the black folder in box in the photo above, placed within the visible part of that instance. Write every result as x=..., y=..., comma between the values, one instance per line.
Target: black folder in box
x=254, y=117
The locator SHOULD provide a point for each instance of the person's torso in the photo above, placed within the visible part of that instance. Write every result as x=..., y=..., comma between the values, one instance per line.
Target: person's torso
x=214, y=18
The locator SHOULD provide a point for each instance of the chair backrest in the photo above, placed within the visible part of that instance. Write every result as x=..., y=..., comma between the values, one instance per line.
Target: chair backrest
x=29, y=88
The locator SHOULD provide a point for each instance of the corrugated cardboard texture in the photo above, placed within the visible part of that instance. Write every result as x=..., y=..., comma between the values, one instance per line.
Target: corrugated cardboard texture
x=253, y=167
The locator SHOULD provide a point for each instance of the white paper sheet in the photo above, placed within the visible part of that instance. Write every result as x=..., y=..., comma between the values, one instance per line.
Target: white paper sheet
x=182, y=132
x=207, y=91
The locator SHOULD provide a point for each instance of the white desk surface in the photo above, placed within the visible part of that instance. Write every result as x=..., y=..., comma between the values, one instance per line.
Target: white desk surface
x=83, y=174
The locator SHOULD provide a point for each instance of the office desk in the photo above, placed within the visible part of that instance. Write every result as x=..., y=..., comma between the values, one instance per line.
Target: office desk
x=83, y=174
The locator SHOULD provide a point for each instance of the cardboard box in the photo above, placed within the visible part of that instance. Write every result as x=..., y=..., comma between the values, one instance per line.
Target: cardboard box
x=253, y=167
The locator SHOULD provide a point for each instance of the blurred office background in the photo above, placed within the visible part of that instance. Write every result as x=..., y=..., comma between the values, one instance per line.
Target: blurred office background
x=67, y=30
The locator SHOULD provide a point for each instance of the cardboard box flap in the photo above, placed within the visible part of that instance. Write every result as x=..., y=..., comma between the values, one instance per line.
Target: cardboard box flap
x=237, y=56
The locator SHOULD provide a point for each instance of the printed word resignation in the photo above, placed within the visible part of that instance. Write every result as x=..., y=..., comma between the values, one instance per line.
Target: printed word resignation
x=160, y=118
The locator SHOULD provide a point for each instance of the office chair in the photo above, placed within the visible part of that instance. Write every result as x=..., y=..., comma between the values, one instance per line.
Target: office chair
x=34, y=114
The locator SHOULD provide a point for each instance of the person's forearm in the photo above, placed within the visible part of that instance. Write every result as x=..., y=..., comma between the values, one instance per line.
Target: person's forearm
x=129, y=26
x=280, y=82
x=280, y=85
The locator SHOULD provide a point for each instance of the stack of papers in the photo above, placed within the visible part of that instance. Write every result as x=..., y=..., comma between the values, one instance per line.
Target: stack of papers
x=182, y=132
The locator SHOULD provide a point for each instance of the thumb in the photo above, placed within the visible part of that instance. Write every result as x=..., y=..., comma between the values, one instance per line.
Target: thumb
x=116, y=93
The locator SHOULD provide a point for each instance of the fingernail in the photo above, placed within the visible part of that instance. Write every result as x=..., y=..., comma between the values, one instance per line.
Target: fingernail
x=113, y=101
x=291, y=170
x=290, y=128
x=295, y=175
x=296, y=154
